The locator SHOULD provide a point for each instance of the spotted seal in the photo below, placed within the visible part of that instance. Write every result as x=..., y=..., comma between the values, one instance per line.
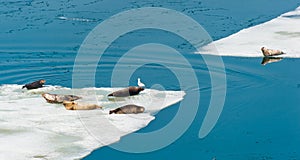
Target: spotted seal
x=56, y=98
x=271, y=52
x=128, y=109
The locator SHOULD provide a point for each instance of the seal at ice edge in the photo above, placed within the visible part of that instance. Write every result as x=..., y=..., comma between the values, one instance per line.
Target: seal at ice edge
x=35, y=85
x=55, y=98
x=130, y=91
x=271, y=52
x=128, y=109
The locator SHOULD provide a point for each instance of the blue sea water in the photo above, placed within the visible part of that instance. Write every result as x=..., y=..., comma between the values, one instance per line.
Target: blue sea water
x=260, y=119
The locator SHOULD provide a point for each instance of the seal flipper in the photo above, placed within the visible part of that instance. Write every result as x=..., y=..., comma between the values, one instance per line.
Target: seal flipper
x=278, y=54
x=116, y=111
x=110, y=95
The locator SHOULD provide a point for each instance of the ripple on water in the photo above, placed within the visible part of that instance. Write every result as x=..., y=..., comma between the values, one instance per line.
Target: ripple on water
x=26, y=67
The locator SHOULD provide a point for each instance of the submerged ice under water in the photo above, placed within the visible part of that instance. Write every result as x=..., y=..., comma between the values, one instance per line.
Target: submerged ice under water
x=31, y=128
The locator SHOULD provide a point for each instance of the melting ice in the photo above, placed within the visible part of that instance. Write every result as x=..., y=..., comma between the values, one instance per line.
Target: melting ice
x=30, y=128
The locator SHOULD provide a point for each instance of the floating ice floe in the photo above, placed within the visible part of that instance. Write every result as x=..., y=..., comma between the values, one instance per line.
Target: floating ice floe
x=281, y=33
x=32, y=128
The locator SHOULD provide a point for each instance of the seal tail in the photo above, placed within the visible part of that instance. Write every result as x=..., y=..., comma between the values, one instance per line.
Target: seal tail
x=100, y=107
x=110, y=95
x=23, y=87
x=111, y=111
x=278, y=54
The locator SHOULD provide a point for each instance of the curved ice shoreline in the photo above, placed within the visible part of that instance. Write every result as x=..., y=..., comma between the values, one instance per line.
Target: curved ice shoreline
x=281, y=33
x=30, y=128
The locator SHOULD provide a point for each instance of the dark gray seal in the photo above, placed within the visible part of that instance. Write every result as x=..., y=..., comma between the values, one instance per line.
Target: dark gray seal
x=128, y=109
x=35, y=85
x=130, y=91
x=55, y=98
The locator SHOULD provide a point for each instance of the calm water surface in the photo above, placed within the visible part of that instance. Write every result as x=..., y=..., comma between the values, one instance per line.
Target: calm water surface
x=260, y=120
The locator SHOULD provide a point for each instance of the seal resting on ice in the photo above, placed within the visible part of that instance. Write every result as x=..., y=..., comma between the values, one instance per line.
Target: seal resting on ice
x=56, y=98
x=35, y=85
x=271, y=52
x=130, y=91
x=70, y=105
x=128, y=109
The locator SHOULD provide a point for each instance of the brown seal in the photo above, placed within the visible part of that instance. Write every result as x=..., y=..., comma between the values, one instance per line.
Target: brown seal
x=70, y=105
x=271, y=52
x=35, y=85
x=56, y=98
x=128, y=109
x=130, y=91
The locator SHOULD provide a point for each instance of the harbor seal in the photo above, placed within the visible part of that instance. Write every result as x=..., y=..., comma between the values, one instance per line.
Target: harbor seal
x=130, y=91
x=271, y=52
x=128, y=109
x=70, y=105
x=55, y=98
x=35, y=85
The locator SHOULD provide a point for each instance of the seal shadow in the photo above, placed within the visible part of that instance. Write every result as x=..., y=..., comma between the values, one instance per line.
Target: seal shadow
x=116, y=99
x=267, y=60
